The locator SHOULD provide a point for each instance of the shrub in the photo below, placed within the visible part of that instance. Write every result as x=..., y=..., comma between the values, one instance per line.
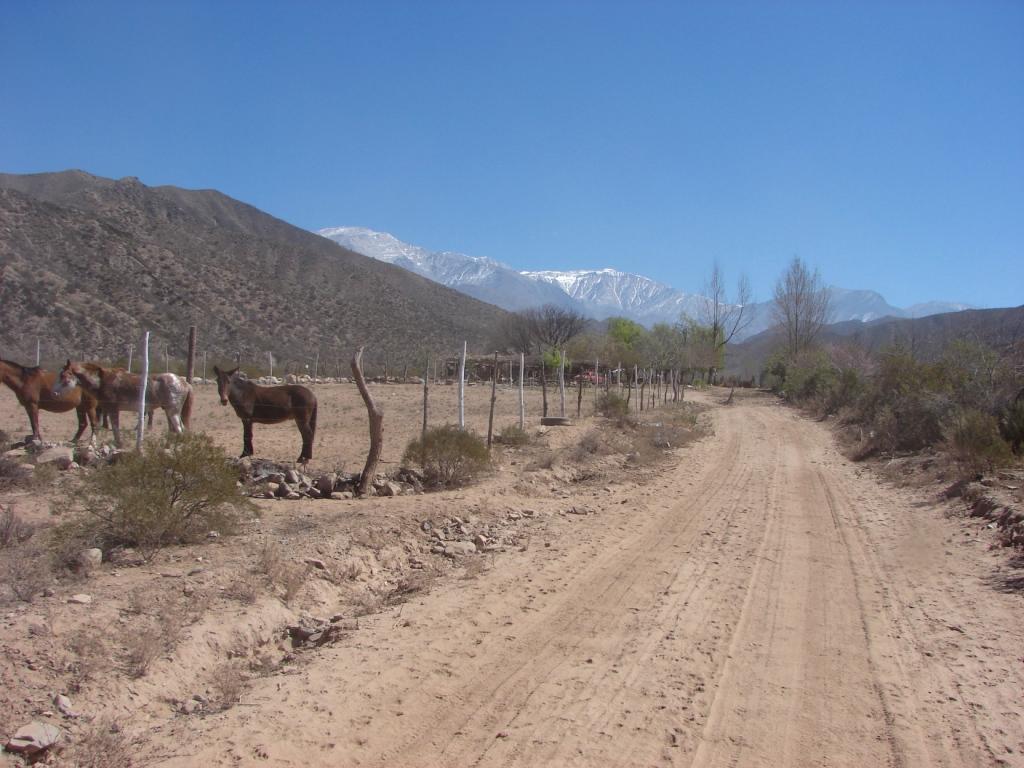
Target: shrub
x=175, y=491
x=513, y=435
x=1011, y=425
x=975, y=443
x=612, y=405
x=449, y=456
x=13, y=530
x=25, y=574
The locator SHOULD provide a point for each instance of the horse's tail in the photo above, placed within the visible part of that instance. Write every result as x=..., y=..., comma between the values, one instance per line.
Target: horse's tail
x=312, y=424
x=186, y=408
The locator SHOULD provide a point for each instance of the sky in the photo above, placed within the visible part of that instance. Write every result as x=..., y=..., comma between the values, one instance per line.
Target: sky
x=882, y=143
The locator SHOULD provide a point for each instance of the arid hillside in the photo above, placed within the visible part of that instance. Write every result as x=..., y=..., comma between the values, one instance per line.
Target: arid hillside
x=90, y=262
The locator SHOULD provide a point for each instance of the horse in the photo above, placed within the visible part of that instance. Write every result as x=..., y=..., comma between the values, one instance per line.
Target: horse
x=268, y=405
x=34, y=390
x=118, y=390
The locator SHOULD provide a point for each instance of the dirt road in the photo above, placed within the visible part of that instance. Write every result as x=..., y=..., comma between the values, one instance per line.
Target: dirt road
x=764, y=602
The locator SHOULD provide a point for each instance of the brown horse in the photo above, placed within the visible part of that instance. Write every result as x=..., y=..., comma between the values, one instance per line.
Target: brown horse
x=117, y=390
x=34, y=390
x=268, y=405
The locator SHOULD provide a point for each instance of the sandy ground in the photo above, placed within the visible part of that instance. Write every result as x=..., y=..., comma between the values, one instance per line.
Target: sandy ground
x=756, y=601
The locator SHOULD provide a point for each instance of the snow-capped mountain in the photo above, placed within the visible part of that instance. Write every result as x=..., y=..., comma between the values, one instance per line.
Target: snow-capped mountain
x=610, y=293
x=478, y=276
x=597, y=293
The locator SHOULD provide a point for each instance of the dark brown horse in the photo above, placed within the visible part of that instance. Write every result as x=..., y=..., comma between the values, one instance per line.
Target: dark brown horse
x=118, y=390
x=34, y=389
x=254, y=404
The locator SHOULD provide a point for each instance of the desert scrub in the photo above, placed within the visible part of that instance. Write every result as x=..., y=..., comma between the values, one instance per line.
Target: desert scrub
x=974, y=442
x=613, y=406
x=178, y=489
x=449, y=456
x=512, y=435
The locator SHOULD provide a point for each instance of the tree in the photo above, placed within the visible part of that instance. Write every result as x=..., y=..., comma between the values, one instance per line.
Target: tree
x=724, y=317
x=515, y=333
x=802, y=305
x=552, y=326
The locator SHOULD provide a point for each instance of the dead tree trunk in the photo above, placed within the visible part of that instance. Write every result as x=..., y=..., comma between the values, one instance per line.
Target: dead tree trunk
x=376, y=426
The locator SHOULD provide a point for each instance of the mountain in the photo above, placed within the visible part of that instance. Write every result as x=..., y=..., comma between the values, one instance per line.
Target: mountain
x=598, y=293
x=482, y=278
x=89, y=262
x=1002, y=329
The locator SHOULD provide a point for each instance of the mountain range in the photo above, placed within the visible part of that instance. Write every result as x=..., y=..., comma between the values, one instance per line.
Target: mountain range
x=595, y=293
x=88, y=263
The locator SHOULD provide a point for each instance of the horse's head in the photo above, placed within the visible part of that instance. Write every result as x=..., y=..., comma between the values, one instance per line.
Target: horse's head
x=223, y=383
x=67, y=379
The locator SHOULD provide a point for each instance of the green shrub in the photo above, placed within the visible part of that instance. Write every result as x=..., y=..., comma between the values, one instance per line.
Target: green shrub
x=612, y=405
x=513, y=435
x=175, y=491
x=1011, y=425
x=974, y=441
x=449, y=456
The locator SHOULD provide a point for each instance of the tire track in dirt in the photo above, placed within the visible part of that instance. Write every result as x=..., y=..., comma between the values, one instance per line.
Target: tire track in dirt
x=750, y=607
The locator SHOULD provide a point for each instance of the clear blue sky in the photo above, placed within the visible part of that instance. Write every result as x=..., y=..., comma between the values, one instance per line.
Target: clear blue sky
x=881, y=142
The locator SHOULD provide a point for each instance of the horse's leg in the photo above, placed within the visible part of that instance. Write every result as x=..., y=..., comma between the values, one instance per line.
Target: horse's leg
x=32, y=409
x=246, y=437
x=80, y=411
x=172, y=423
x=115, y=425
x=302, y=422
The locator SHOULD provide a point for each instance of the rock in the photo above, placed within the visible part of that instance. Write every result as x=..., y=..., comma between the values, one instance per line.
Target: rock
x=275, y=477
x=34, y=738
x=283, y=490
x=291, y=477
x=80, y=599
x=90, y=558
x=293, y=496
x=63, y=703
x=325, y=483
x=61, y=456
x=86, y=455
x=316, y=563
x=390, y=489
x=15, y=453
x=480, y=542
x=211, y=534
x=459, y=548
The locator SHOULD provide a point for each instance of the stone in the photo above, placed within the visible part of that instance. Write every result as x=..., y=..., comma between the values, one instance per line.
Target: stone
x=60, y=456
x=291, y=477
x=325, y=483
x=90, y=558
x=390, y=489
x=294, y=496
x=283, y=490
x=86, y=455
x=459, y=548
x=316, y=563
x=480, y=542
x=34, y=738
x=63, y=703
x=80, y=599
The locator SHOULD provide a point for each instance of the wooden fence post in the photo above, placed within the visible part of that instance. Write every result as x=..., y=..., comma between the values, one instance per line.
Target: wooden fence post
x=462, y=387
x=561, y=383
x=190, y=368
x=494, y=397
x=426, y=388
x=522, y=394
x=143, y=382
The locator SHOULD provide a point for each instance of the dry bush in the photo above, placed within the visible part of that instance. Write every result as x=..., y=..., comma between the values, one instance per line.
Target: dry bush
x=13, y=530
x=591, y=444
x=613, y=406
x=973, y=440
x=290, y=577
x=367, y=603
x=25, y=572
x=227, y=682
x=350, y=570
x=449, y=456
x=175, y=491
x=13, y=473
x=512, y=435
x=89, y=657
x=410, y=584
x=143, y=647
x=102, y=744
x=242, y=591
